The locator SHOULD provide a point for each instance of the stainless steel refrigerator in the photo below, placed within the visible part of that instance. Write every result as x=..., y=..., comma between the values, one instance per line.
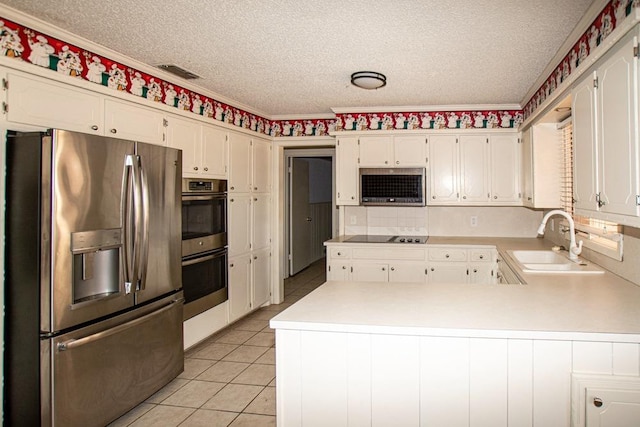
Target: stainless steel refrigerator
x=93, y=291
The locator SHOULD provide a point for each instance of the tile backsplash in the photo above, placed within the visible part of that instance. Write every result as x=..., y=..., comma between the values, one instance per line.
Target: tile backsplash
x=442, y=221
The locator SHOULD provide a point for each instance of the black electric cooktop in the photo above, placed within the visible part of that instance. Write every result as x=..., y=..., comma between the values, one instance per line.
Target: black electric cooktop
x=367, y=238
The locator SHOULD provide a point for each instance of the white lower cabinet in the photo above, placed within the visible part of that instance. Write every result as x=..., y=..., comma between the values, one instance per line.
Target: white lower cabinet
x=385, y=379
x=249, y=282
x=394, y=263
x=260, y=275
x=239, y=286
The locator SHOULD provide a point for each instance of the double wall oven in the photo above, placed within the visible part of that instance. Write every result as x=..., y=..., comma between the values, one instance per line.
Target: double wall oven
x=204, y=244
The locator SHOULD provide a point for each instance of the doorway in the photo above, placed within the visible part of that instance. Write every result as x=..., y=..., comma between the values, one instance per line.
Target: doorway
x=310, y=212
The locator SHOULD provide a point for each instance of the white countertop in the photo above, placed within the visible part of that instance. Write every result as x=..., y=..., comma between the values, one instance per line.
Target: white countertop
x=601, y=307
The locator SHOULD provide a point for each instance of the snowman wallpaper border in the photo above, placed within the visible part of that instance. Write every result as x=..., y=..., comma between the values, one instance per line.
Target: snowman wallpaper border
x=39, y=49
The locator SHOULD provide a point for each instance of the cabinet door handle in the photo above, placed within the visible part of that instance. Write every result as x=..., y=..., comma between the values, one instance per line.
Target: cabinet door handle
x=495, y=197
x=344, y=267
x=233, y=188
x=446, y=256
x=393, y=269
x=397, y=162
x=94, y=127
x=339, y=253
x=195, y=168
x=231, y=265
x=475, y=270
x=432, y=269
x=113, y=131
x=206, y=169
x=597, y=402
x=383, y=269
x=481, y=256
x=464, y=197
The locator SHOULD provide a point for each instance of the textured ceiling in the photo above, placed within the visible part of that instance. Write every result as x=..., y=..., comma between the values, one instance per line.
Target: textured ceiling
x=293, y=57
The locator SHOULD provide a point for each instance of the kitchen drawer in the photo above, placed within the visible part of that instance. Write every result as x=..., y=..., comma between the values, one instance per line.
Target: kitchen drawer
x=340, y=253
x=447, y=254
x=389, y=254
x=481, y=255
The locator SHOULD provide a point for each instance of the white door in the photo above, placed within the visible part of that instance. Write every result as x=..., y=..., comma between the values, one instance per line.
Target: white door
x=504, y=168
x=186, y=136
x=239, y=163
x=347, y=171
x=526, y=176
x=370, y=272
x=42, y=102
x=411, y=273
x=261, y=236
x=134, y=122
x=410, y=151
x=239, y=286
x=300, y=231
x=261, y=266
x=376, y=151
x=447, y=273
x=214, y=152
x=239, y=216
x=618, y=156
x=339, y=271
x=585, y=174
x=261, y=154
x=443, y=166
x=474, y=165
x=612, y=408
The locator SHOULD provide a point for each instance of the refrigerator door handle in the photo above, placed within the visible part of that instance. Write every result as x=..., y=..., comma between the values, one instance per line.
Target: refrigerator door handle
x=73, y=343
x=144, y=228
x=133, y=229
x=127, y=219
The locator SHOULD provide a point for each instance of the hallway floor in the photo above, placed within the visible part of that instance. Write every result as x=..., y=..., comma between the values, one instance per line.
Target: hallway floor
x=228, y=379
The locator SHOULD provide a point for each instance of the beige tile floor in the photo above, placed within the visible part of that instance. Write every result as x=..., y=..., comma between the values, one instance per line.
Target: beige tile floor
x=228, y=379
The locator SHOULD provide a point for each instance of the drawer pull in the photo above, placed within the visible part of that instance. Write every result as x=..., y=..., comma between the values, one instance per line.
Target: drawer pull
x=481, y=256
x=597, y=402
x=446, y=256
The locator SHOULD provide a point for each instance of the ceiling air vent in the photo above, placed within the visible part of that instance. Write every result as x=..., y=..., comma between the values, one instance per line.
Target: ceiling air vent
x=180, y=72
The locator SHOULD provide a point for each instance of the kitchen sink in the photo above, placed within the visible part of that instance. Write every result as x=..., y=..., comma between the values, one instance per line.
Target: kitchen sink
x=552, y=262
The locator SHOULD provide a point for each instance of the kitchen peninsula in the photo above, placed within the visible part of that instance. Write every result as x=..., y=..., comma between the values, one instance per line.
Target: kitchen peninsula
x=366, y=353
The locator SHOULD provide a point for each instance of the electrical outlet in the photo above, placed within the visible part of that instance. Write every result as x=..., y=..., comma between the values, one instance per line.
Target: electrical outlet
x=474, y=221
x=353, y=220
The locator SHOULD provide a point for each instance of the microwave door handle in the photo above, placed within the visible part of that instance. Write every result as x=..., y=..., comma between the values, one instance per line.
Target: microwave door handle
x=144, y=227
x=128, y=221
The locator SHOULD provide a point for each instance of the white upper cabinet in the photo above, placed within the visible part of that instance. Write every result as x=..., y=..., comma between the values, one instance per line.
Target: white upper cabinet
x=585, y=186
x=474, y=168
x=410, y=151
x=605, y=138
x=45, y=103
x=618, y=156
x=504, y=169
x=134, y=122
x=250, y=164
x=468, y=169
x=392, y=151
x=347, y=171
x=541, y=166
x=215, y=152
x=239, y=163
x=261, y=176
x=376, y=151
x=443, y=167
x=185, y=135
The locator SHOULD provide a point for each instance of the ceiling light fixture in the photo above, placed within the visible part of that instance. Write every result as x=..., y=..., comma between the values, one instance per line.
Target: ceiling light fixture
x=368, y=80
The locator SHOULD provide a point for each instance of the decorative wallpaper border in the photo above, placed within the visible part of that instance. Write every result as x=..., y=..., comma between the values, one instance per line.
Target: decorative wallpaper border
x=40, y=49
x=485, y=119
x=612, y=14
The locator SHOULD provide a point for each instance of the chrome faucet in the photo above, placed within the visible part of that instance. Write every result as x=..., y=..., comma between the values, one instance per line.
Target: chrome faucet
x=574, y=250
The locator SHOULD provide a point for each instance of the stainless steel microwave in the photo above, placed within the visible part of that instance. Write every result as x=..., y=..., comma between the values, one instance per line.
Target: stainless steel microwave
x=392, y=186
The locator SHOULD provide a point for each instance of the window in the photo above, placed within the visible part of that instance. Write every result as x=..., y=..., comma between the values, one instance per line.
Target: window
x=600, y=236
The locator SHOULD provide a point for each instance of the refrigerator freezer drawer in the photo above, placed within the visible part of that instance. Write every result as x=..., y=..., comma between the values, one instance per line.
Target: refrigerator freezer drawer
x=98, y=376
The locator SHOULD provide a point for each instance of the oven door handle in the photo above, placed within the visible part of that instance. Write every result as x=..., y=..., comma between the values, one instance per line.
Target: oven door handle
x=188, y=198
x=196, y=260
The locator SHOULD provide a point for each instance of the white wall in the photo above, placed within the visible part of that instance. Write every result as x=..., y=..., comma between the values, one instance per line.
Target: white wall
x=442, y=221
